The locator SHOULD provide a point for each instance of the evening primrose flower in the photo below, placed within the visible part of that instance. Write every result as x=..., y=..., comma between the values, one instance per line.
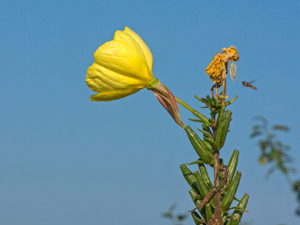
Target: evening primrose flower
x=217, y=69
x=122, y=67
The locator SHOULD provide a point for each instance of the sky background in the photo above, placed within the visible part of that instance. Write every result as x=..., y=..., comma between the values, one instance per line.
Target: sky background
x=66, y=160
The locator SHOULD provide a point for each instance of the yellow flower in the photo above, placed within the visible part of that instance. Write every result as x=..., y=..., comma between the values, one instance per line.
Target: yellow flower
x=217, y=69
x=122, y=67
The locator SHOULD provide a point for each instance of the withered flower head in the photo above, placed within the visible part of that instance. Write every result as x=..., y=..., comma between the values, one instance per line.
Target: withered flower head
x=217, y=69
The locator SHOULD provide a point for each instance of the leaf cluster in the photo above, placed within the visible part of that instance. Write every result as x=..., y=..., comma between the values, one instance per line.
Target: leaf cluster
x=274, y=152
x=214, y=132
x=175, y=219
x=203, y=190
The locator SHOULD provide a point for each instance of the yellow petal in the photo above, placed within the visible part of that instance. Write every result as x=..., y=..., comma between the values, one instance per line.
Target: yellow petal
x=123, y=58
x=111, y=85
x=231, y=53
x=110, y=95
x=122, y=67
x=215, y=69
x=144, y=47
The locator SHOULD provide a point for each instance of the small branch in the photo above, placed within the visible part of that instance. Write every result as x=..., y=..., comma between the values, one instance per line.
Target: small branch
x=225, y=181
x=214, y=190
x=205, y=199
x=215, y=86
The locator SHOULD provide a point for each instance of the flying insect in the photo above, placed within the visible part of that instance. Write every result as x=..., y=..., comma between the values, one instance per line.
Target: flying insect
x=248, y=84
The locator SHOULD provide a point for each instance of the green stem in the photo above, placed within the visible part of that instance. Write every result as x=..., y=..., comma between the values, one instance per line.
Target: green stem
x=217, y=197
x=224, y=93
x=203, y=118
x=185, y=105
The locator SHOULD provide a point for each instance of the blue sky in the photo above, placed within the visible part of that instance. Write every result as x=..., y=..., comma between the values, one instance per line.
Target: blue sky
x=66, y=160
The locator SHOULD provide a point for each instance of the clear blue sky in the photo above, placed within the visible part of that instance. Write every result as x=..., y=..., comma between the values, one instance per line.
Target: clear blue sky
x=65, y=160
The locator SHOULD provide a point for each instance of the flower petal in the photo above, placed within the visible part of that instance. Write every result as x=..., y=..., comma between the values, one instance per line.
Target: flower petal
x=123, y=58
x=145, y=49
x=111, y=85
x=122, y=67
x=215, y=69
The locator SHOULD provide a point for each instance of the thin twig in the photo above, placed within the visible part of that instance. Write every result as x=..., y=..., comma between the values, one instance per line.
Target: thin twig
x=213, y=191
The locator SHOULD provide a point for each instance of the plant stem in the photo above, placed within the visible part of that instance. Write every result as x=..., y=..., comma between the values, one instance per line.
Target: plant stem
x=224, y=93
x=217, y=198
x=217, y=218
x=185, y=105
x=224, y=86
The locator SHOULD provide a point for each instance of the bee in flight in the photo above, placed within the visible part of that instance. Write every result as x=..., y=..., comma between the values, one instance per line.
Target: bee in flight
x=246, y=84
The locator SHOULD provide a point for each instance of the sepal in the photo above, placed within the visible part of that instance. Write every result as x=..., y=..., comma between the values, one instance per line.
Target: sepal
x=166, y=98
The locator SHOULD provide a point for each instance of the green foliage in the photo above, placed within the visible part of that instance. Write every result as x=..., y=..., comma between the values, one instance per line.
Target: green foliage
x=232, y=164
x=204, y=153
x=204, y=192
x=274, y=152
x=222, y=129
x=175, y=219
x=237, y=214
x=229, y=196
x=296, y=189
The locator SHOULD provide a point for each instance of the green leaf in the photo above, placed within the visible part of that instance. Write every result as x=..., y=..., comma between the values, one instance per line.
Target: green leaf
x=197, y=200
x=223, y=129
x=203, y=187
x=228, y=198
x=281, y=127
x=196, y=120
x=207, y=134
x=238, y=213
x=197, y=219
x=232, y=164
x=220, y=116
x=199, y=146
x=199, y=161
x=205, y=176
x=202, y=99
x=208, y=211
x=190, y=178
x=231, y=101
